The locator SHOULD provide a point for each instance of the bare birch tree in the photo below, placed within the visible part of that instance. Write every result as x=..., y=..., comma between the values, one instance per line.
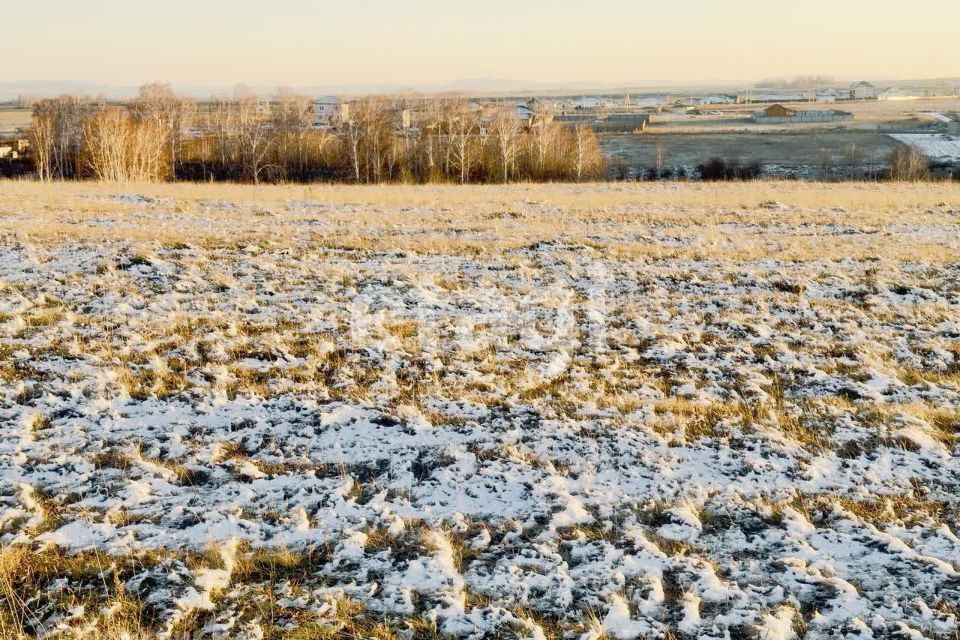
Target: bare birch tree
x=172, y=114
x=254, y=135
x=42, y=139
x=291, y=117
x=585, y=153
x=544, y=136
x=463, y=132
x=378, y=139
x=352, y=131
x=505, y=128
x=119, y=148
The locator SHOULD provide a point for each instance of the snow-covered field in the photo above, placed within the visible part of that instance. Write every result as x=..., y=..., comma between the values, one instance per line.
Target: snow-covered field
x=934, y=145
x=561, y=412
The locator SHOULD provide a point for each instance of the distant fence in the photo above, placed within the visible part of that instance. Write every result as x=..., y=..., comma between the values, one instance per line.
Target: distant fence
x=608, y=123
x=802, y=117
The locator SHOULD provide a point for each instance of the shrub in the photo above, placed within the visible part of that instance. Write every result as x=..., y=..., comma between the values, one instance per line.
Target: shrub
x=720, y=169
x=909, y=164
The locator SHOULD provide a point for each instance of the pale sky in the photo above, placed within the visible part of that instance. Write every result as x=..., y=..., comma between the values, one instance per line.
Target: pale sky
x=299, y=42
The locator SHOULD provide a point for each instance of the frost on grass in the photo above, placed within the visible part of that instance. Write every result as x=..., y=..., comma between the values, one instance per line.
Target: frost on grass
x=246, y=440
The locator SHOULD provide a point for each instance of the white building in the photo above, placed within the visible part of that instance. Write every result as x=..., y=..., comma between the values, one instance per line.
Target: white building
x=828, y=95
x=699, y=101
x=863, y=91
x=11, y=149
x=330, y=111
x=591, y=102
x=894, y=94
x=777, y=97
x=523, y=112
x=648, y=103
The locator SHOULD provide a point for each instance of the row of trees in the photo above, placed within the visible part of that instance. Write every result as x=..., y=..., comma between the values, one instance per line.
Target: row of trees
x=74, y=137
x=160, y=135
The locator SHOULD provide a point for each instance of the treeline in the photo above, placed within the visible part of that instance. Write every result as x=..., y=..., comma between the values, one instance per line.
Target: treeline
x=162, y=136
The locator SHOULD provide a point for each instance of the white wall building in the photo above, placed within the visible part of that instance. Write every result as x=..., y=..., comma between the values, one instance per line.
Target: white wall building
x=699, y=101
x=863, y=91
x=777, y=97
x=329, y=111
x=828, y=95
x=591, y=102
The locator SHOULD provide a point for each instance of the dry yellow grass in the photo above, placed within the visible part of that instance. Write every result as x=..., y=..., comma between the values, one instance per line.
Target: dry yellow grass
x=14, y=119
x=586, y=195
x=489, y=219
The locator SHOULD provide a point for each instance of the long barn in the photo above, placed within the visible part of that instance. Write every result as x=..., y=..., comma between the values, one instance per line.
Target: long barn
x=779, y=114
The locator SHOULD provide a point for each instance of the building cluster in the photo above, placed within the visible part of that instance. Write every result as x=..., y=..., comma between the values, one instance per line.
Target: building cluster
x=13, y=148
x=332, y=112
x=868, y=91
x=601, y=115
x=858, y=91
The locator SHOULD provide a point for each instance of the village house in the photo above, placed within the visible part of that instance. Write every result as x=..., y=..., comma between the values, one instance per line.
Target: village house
x=542, y=105
x=777, y=111
x=653, y=102
x=524, y=113
x=827, y=95
x=769, y=97
x=591, y=102
x=330, y=111
x=898, y=94
x=403, y=119
x=13, y=149
x=700, y=101
x=863, y=91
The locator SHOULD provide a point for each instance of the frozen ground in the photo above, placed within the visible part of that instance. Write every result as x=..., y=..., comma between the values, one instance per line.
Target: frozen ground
x=934, y=145
x=577, y=413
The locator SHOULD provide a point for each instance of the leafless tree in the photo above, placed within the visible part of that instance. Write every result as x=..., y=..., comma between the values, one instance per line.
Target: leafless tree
x=463, y=131
x=379, y=139
x=291, y=119
x=433, y=132
x=253, y=134
x=376, y=118
x=369, y=138
x=69, y=113
x=585, y=154
x=544, y=135
x=853, y=157
x=119, y=148
x=908, y=163
x=221, y=124
x=505, y=128
x=42, y=132
x=172, y=114
x=352, y=131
